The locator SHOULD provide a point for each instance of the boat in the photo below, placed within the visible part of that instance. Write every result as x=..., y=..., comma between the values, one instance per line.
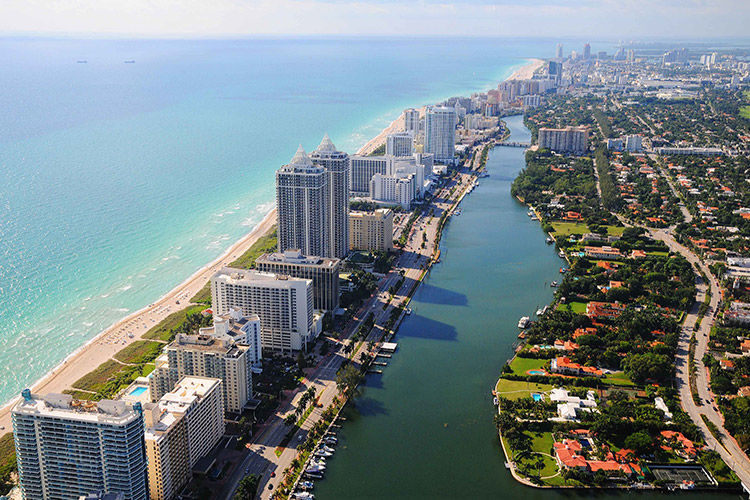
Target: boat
x=332, y=440
x=130, y=61
x=82, y=61
x=530, y=213
x=328, y=449
x=561, y=254
x=313, y=475
x=563, y=270
x=553, y=284
x=483, y=175
x=303, y=495
x=322, y=453
x=550, y=240
x=315, y=469
x=306, y=485
x=495, y=401
x=408, y=311
x=545, y=309
x=523, y=322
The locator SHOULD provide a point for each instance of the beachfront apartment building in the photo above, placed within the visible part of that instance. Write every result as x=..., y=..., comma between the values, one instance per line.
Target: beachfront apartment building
x=564, y=140
x=336, y=166
x=206, y=355
x=440, y=133
x=371, y=231
x=67, y=448
x=399, y=144
x=393, y=189
x=411, y=121
x=363, y=168
x=180, y=429
x=283, y=303
x=322, y=271
x=240, y=328
x=303, y=206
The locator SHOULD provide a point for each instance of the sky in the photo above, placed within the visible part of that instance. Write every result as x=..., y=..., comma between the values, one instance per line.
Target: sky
x=621, y=19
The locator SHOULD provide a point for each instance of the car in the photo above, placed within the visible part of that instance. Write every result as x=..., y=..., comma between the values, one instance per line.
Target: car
x=273, y=474
x=300, y=437
x=270, y=486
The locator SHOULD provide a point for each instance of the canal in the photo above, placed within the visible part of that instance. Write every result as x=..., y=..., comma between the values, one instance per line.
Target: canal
x=424, y=428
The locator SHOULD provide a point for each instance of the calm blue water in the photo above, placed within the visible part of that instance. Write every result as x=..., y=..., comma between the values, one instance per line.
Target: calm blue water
x=117, y=181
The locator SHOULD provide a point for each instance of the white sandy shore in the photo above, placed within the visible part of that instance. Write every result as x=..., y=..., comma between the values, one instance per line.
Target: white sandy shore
x=526, y=71
x=129, y=329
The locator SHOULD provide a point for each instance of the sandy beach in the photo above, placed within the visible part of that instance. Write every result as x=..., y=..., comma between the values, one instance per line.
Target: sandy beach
x=526, y=71
x=129, y=329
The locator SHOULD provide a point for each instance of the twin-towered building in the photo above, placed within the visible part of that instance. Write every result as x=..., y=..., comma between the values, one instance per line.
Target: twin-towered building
x=312, y=200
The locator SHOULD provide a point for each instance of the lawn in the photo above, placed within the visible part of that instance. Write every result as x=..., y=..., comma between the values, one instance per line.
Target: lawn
x=541, y=445
x=568, y=228
x=517, y=389
x=163, y=329
x=140, y=351
x=618, y=378
x=521, y=365
x=576, y=307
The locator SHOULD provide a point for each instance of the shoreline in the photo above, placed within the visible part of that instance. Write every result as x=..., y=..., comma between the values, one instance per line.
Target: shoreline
x=108, y=342
x=117, y=336
x=524, y=72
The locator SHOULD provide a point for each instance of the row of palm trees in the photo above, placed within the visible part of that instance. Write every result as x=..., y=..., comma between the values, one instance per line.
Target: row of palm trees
x=307, y=398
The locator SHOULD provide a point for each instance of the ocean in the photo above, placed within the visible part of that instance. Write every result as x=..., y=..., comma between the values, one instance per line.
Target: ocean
x=119, y=180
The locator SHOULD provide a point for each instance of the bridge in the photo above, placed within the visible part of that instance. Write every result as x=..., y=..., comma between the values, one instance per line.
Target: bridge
x=515, y=144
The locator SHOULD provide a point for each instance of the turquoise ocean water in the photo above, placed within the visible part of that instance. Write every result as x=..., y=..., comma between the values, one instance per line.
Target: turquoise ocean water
x=118, y=181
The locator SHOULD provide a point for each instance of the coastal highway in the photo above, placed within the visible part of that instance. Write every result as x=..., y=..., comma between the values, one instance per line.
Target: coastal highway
x=262, y=459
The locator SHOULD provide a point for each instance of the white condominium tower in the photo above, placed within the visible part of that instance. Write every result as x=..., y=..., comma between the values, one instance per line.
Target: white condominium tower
x=284, y=305
x=400, y=144
x=564, y=140
x=362, y=170
x=212, y=353
x=336, y=165
x=411, y=121
x=181, y=429
x=67, y=448
x=303, y=206
x=440, y=133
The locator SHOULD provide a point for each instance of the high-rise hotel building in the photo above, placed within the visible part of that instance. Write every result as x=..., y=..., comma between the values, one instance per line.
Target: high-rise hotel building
x=283, y=303
x=336, y=166
x=303, y=209
x=181, y=428
x=323, y=271
x=440, y=133
x=67, y=448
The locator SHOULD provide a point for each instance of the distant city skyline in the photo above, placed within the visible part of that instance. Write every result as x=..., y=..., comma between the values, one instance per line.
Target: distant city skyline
x=626, y=19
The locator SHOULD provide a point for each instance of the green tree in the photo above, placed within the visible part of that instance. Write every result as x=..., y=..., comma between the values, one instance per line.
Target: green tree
x=247, y=488
x=347, y=380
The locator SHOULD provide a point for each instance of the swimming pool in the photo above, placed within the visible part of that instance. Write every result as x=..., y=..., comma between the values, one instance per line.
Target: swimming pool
x=537, y=396
x=138, y=391
x=536, y=372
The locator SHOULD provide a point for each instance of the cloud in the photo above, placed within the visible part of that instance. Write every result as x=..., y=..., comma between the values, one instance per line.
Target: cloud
x=603, y=18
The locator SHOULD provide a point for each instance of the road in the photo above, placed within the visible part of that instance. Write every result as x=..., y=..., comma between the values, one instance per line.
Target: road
x=413, y=260
x=728, y=448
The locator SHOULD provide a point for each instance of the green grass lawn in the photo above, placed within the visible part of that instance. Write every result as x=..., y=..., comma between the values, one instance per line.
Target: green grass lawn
x=163, y=329
x=521, y=365
x=140, y=351
x=618, y=378
x=576, y=307
x=517, y=389
x=568, y=228
x=95, y=380
x=541, y=444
